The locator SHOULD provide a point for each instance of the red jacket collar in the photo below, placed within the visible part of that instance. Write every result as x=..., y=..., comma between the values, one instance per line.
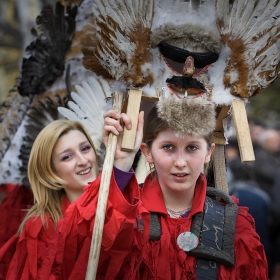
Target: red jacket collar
x=152, y=197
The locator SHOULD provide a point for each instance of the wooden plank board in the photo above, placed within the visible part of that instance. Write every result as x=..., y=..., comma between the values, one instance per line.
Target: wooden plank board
x=133, y=106
x=218, y=138
x=220, y=173
x=242, y=131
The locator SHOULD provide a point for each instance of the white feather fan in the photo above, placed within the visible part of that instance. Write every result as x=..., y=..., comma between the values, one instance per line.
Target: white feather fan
x=89, y=104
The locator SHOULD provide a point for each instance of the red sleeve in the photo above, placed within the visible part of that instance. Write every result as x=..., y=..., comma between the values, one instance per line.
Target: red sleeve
x=250, y=259
x=121, y=234
x=13, y=209
x=31, y=250
x=6, y=254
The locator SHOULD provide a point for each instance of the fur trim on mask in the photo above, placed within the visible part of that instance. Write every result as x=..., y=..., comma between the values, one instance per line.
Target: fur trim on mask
x=196, y=116
x=187, y=36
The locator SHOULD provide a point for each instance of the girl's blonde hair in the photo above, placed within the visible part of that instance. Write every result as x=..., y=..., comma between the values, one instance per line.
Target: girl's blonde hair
x=46, y=186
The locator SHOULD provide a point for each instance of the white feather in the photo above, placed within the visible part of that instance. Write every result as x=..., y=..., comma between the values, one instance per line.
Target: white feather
x=166, y=11
x=238, y=11
x=122, y=20
x=75, y=108
x=88, y=107
x=148, y=8
x=11, y=160
x=256, y=23
x=222, y=10
x=68, y=114
x=262, y=18
x=125, y=13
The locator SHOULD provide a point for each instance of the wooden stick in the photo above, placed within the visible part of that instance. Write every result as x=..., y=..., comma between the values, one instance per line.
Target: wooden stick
x=218, y=156
x=242, y=131
x=223, y=113
x=103, y=197
x=133, y=106
x=220, y=172
x=219, y=162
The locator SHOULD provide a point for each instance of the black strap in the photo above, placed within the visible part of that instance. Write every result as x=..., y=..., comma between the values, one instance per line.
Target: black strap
x=155, y=228
x=211, y=236
x=215, y=228
x=224, y=220
x=206, y=270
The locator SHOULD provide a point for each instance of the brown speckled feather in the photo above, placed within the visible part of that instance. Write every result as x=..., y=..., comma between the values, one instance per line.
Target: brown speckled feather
x=118, y=41
x=251, y=30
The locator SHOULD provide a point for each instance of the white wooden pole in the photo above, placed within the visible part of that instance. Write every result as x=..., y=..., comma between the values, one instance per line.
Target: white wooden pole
x=103, y=197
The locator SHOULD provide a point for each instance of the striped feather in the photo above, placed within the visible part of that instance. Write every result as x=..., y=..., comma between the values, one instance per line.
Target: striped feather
x=121, y=46
x=251, y=30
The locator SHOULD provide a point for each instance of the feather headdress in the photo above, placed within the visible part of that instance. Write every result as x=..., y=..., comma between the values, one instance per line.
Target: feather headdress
x=235, y=45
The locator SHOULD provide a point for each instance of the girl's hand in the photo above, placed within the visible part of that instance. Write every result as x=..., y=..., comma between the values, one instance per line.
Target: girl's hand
x=123, y=159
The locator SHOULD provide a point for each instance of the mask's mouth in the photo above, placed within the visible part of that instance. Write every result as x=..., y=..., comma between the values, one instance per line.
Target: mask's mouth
x=185, y=85
x=187, y=66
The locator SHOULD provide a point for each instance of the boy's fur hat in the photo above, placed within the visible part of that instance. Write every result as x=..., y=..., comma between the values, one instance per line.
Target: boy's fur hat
x=195, y=116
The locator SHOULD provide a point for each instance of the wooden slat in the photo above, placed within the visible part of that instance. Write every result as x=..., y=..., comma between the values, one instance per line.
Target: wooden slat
x=220, y=173
x=133, y=106
x=242, y=131
x=219, y=138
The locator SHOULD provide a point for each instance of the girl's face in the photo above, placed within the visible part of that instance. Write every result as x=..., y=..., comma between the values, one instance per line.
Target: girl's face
x=74, y=161
x=178, y=161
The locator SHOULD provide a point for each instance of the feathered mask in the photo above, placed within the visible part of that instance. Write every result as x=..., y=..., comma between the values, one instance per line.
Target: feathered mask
x=235, y=45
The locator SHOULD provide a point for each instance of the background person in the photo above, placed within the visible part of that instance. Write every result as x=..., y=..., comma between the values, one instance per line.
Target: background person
x=62, y=163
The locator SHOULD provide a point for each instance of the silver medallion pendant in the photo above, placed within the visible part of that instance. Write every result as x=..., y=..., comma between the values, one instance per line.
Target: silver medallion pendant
x=187, y=241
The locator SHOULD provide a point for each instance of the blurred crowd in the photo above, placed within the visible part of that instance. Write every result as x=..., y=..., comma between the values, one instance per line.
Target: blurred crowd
x=257, y=185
